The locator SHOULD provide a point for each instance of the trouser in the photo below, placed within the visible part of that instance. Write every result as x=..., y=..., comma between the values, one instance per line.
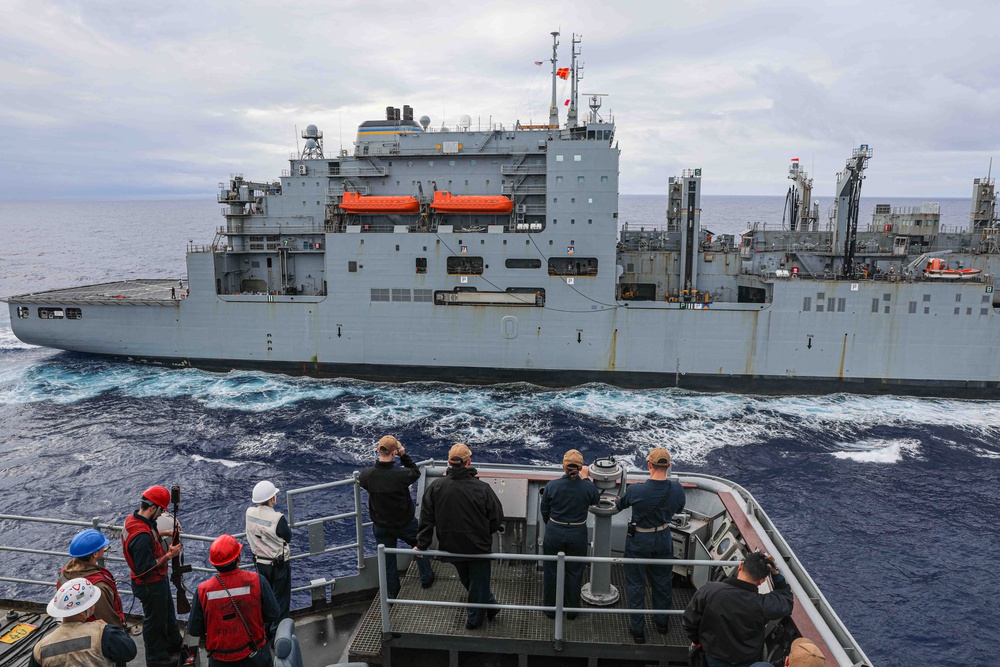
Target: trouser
x=571, y=540
x=388, y=537
x=279, y=576
x=475, y=576
x=160, y=634
x=660, y=577
x=262, y=659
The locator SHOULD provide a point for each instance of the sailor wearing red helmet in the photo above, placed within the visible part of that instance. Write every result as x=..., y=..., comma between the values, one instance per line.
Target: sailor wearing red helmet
x=148, y=563
x=234, y=610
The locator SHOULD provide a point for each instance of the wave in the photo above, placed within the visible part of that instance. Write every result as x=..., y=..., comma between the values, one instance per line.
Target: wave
x=8, y=341
x=879, y=451
x=225, y=462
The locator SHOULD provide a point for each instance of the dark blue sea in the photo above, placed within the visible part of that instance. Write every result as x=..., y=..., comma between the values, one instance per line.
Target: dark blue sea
x=890, y=502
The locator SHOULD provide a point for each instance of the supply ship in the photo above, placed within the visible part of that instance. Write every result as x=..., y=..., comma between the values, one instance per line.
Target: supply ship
x=496, y=255
x=350, y=620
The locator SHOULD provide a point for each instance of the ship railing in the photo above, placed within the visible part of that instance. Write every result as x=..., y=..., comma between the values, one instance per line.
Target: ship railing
x=510, y=189
x=559, y=609
x=519, y=169
x=318, y=583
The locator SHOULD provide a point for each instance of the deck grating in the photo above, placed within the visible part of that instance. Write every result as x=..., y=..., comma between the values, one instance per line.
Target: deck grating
x=514, y=583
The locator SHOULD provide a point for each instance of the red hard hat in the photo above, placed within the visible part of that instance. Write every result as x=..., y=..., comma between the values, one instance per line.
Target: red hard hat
x=158, y=495
x=224, y=550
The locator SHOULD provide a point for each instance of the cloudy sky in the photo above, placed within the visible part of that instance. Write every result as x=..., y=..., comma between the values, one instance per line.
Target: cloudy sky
x=108, y=98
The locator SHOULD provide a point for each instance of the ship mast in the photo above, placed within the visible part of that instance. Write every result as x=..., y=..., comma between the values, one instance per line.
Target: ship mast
x=553, y=109
x=576, y=72
x=848, y=199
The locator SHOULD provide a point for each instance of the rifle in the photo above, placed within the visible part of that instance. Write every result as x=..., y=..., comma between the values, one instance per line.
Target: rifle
x=177, y=566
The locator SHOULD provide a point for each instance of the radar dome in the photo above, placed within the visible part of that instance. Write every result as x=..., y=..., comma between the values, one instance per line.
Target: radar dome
x=425, y=121
x=311, y=131
x=464, y=121
x=310, y=143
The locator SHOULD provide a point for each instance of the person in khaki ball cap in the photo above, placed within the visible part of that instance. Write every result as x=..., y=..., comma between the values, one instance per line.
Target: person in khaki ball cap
x=654, y=503
x=464, y=512
x=391, y=507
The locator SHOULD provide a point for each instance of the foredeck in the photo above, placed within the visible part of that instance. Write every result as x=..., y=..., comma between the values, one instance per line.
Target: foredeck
x=437, y=636
x=123, y=293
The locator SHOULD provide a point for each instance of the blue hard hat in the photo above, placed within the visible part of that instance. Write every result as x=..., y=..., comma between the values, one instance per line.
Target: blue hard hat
x=88, y=542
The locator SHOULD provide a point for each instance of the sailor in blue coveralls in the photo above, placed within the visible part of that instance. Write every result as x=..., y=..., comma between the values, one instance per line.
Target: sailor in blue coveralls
x=654, y=503
x=564, y=510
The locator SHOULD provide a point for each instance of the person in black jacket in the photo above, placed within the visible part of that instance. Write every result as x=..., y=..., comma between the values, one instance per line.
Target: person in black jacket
x=727, y=617
x=465, y=512
x=391, y=507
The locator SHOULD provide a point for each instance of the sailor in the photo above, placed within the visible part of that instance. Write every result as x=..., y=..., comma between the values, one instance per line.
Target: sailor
x=268, y=535
x=564, y=511
x=727, y=618
x=81, y=639
x=233, y=610
x=465, y=512
x=391, y=507
x=148, y=563
x=87, y=550
x=805, y=653
x=654, y=503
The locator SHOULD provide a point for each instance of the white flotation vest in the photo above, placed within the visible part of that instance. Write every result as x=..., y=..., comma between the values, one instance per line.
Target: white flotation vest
x=262, y=524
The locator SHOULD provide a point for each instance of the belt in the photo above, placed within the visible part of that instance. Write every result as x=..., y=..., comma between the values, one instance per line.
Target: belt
x=280, y=560
x=570, y=523
x=652, y=530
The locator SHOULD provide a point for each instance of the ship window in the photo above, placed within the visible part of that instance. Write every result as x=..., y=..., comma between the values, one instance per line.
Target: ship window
x=379, y=294
x=466, y=182
x=352, y=267
x=968, y=311
x=559, y=158
x=254, y=264
x=50, y=313
x=984, y=311
x=559, y=179
x=463, y=265
x=986, y=298
x=874, y=305
x=913, y=307
x=604, y=179
x=401, y=295
x=523, y=263
x=422, y=264
x=580, y=179
x=887, y=310
x=74, y=314
x=841, y=305
x=590, y=221
x=807, y=303
x=830, y=303
x=958, y=310
x=820, y=296
x=927, y=297
x=23, y=312
x=577, y=158
x=572, y=221
x=423, y=295
x=269, y=262
x=819, y=306
x=572, y=266
x=572, y=200
x=958, y=298
x=886, y=297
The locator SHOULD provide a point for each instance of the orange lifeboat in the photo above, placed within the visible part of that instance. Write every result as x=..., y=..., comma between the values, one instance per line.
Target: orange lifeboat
x=937, y=270
x=353, y=202
x=445, y=202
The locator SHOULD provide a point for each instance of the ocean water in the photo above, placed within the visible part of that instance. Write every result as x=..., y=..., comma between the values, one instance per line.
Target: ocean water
x=890, y=502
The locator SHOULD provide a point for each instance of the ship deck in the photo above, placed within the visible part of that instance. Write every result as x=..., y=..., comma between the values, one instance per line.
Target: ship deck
x=124, y=292
x=437, y=636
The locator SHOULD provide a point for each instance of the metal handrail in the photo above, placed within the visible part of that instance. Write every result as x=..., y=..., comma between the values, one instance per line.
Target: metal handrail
x=561, y=559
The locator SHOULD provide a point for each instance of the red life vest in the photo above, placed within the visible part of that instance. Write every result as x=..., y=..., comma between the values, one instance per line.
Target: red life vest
x=135, y=525
x=103, y=575
x=225, y=636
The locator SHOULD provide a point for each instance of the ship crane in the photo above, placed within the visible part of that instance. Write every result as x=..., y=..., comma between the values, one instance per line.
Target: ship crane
x=848, y=199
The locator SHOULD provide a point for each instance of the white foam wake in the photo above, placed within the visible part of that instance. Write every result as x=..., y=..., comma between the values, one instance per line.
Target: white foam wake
x=226, y=462
x=879, y=451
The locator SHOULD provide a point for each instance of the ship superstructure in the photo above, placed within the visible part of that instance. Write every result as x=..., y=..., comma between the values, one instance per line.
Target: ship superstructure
x=487, y=254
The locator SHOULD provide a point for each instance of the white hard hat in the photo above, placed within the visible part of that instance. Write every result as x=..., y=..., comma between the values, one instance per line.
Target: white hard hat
x=72, y=598
x=264, y=491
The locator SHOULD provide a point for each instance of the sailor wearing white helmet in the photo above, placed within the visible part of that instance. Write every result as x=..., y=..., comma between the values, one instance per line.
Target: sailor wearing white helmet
x=81, y=641
x=268, y=535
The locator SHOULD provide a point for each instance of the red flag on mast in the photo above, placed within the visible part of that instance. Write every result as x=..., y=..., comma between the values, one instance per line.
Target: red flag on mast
x=562, y=72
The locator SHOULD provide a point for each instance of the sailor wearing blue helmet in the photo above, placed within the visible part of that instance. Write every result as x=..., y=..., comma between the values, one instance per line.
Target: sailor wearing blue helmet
x=87, y=550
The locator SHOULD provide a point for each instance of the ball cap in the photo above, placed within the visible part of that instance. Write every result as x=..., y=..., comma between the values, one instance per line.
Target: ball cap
x=573, y=458
x=659, y=457
x=805, y=653
x=388, y=444
x=459, y=454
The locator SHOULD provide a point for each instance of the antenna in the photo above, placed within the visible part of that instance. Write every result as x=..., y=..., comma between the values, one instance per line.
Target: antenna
x=553, y=109
x=297, y=150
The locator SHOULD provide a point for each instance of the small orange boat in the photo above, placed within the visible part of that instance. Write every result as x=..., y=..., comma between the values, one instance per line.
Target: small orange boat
x=353, y=202
x=445, y=202
x=937, y=269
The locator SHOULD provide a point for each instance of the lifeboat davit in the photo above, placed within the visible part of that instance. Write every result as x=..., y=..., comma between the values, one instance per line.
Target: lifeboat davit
x=445, y=202
x=353, y=202
x=937, y=270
